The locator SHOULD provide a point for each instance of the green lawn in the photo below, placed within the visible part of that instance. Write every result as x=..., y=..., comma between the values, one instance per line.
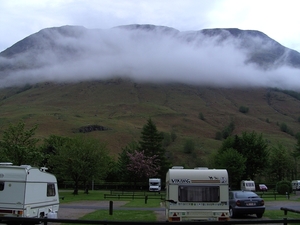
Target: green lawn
x=121, y=215
x=279, y=214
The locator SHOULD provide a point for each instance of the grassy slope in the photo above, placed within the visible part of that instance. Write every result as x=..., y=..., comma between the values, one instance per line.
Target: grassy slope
x=124, y=108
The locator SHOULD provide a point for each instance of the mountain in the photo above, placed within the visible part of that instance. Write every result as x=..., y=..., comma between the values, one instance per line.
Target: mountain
x=148, y=53
x=60, y=44
x=106, y=84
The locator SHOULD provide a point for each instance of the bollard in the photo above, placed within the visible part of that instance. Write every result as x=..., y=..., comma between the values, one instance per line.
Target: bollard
x=110, y=207
x=146, y=199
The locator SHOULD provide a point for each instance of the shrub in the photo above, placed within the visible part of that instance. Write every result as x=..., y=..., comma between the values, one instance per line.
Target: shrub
x=201, y=117
x=227, y=131
x=297, y=136
x=283, y=187
x=283, y=127
x=286, y=129
x=173, y=136
x=243, y=109
x=167, y=139
x=218, y=135
x=189, y=146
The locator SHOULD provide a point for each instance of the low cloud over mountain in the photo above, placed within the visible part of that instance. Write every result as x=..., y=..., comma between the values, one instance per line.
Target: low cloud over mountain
x=212, y=57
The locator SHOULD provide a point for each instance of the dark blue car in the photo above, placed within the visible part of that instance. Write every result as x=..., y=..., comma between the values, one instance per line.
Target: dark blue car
x=245, y=203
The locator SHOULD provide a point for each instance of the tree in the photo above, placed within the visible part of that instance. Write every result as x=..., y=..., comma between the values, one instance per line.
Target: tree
x=142, y=166
x=112, y=174
x=81, y=160
x=253, y=148
x=18, y=145
x=51, y=147
x=295, y=154
x=234, y=162
x=151, y=140
x=280, y=166
x=297, y=147
x=123, y=161
x=151, y=144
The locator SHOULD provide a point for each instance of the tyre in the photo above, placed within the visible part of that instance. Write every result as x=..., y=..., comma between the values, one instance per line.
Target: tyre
x=232, y=214
x=259, y=215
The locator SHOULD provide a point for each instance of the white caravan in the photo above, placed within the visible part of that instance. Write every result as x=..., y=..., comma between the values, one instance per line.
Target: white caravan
x=296, y=185
x=247, y=185
x=27, y=191
x=154, y=184
x=197, y=194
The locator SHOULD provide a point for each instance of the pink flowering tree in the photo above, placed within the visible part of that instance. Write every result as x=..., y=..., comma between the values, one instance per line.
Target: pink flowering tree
x=142, y=166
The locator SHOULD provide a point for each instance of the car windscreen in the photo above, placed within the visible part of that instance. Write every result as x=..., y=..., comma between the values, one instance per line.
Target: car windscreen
x=246, y=195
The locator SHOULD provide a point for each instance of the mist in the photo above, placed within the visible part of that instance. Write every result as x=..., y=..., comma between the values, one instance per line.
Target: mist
x=143, y=56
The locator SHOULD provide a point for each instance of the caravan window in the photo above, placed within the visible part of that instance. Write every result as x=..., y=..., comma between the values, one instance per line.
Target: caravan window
x=50, y=189
x=199, y=193
x=1, y=186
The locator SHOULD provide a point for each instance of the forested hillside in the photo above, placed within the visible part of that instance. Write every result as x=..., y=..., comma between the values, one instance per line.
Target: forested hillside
x=114, y=111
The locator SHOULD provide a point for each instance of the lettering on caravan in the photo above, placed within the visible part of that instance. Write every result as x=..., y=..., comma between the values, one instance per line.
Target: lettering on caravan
x=181, y=181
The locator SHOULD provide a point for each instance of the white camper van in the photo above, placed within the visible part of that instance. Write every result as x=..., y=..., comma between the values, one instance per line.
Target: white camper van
x=196, y=194
x=154, y=184
x=247, y=185
x=27, y=191
x=296, y=185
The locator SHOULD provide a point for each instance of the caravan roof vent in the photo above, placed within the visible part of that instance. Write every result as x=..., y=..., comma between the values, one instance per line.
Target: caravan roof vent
x=26, y=166
x=177, y=167
x=43, y=169
x=5, y=164
x=201, y=168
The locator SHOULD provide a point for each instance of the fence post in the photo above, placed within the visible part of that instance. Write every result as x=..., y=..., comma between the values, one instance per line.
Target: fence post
x=284, y=221
x=110, y=207
x=146, y=199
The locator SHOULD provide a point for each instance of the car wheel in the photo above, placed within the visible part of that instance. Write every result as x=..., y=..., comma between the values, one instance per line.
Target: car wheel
x=231, y=212
x=259, y=215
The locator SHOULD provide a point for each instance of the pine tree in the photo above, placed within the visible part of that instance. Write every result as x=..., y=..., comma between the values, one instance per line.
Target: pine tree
x=151, y=143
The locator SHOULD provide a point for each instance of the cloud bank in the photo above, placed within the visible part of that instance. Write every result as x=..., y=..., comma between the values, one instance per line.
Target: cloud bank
x=141, y=55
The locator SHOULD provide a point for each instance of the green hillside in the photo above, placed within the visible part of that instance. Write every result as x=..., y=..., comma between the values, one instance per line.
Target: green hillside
x=123, y=107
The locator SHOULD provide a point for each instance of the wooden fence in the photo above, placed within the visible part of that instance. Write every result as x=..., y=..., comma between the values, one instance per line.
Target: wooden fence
x=45, y=221
x=134, y=195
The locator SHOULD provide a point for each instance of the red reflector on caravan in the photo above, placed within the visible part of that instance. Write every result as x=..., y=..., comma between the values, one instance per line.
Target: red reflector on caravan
x=175, y=219
x=223, y=219
x=5, y=211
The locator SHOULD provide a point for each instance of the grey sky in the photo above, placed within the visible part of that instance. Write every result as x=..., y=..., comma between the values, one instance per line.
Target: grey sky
x=278, y=19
